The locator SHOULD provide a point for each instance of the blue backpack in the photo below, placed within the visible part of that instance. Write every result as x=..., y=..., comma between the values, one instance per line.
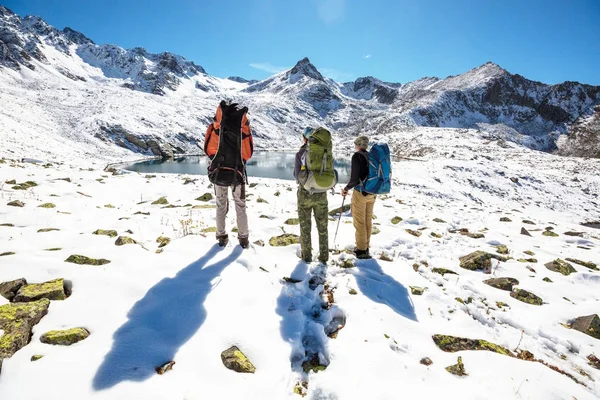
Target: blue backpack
x=380, y=170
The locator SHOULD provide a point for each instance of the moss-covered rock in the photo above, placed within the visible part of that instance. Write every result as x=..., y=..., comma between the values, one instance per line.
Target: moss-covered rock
x=590, y=325
x=546, y=279
x=501, y=249
x=36, y=357
x=436, y=235
x=560, y=266
x=414, y=233
x=473, y=235
x=443, y=271
x=9, y=289
x=7, y=253
x=458, y=368
x=261, y=200
x=550, y=233
x=47, y=205
x=43, y=230
x=260, y=243
x=502, y=283
x=65, y=337
x=452, y=344
x=479, y=260
x=284, y=240
x=163, y=241
x=16, y=203
x=292, y=221
x=439, y=220
x=589, y=265
x=337, y=211
x=161, y=201
x=210, y=229
x=529, y=253
x=11, y=182
x=526, y=221
x=123, y=240
x=141, y=213
x=526, y=297
x=347, y=263
x=83, y=260
x=234, y=359
x=54, y=249
x=205, y=197
x=25, y=185
x=313, y=364
x=505, y=219
x=416, y=290
x=573, y=233
x=8, y=225
x=109, y=206
x=17, y=320
x=385, y=257
x=51, y=290
x=527, y=260
x=375, y=231
x=110, y=233
x=396, y=220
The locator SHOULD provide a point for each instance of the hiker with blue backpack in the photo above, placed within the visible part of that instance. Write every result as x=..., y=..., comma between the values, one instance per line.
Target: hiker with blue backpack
x=370, y=175
x=315, y=175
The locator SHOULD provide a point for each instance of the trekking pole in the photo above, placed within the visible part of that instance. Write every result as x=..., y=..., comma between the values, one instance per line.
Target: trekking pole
x=339, y=219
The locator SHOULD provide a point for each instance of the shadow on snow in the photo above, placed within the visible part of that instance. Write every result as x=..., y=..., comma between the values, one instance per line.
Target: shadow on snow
x=170, y=313
x=382, y=288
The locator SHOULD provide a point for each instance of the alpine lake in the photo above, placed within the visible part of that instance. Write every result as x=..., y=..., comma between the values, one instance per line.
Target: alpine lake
x=263, y=164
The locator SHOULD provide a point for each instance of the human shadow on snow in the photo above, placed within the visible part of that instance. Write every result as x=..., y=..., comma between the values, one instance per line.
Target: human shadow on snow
x=382, y=288
x=170, y=313
x=291, y=307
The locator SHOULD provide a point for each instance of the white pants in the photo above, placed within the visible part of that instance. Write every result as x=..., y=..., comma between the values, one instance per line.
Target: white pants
x=239, y=198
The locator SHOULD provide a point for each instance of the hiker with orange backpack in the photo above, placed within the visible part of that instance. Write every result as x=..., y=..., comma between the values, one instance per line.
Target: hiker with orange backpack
x=229, y=145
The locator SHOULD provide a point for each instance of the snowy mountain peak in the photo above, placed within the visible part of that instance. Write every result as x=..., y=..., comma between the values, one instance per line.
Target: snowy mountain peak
x=368, y=88
x=76, y=37
x=305, y=68
x=5, y=11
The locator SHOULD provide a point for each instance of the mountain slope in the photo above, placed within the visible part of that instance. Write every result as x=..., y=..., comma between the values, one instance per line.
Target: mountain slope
x=60, y=85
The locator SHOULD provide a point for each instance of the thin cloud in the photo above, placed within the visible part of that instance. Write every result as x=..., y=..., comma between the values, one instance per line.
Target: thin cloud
x=273, y=69
x=331, y=11
x=367, y=56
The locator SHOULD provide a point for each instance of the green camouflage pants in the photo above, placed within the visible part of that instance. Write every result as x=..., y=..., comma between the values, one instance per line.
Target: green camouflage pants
x=307, y=204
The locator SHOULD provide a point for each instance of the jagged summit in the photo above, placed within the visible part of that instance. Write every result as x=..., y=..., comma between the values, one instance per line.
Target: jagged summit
x=305, y=68
x=76, y=36
x=5, y=11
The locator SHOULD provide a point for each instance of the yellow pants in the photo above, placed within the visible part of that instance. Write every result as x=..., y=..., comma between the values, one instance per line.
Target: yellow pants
x=362, y=214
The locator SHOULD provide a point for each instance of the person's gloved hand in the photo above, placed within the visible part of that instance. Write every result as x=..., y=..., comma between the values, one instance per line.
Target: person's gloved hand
x=344, y=192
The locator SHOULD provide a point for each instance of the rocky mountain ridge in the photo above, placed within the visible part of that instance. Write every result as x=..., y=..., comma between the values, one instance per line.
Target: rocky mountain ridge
x=488, y=98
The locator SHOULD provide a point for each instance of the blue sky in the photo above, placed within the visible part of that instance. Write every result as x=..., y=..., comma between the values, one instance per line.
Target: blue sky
x=394, y=40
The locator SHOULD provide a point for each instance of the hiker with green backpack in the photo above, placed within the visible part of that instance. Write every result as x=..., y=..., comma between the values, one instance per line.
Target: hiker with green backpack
x=315, y=175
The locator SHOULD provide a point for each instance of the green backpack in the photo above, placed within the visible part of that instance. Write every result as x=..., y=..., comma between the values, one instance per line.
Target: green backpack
x=319, y=175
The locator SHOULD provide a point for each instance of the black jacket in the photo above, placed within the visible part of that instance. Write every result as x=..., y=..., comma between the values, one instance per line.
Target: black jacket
x=359, y=169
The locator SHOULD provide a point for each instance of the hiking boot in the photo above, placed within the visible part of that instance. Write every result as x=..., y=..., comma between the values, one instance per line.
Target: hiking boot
x=244, y=242
x=223, y=240
x=362, y=254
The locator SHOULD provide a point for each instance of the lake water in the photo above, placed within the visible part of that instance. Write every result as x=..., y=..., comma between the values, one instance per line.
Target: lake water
x=272, y=164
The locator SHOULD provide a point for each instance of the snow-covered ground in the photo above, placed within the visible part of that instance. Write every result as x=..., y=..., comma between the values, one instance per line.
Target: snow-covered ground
x=195, y=300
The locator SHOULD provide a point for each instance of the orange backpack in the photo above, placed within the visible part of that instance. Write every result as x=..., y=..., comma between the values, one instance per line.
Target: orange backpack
x=211, y=138
x=228, y=143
